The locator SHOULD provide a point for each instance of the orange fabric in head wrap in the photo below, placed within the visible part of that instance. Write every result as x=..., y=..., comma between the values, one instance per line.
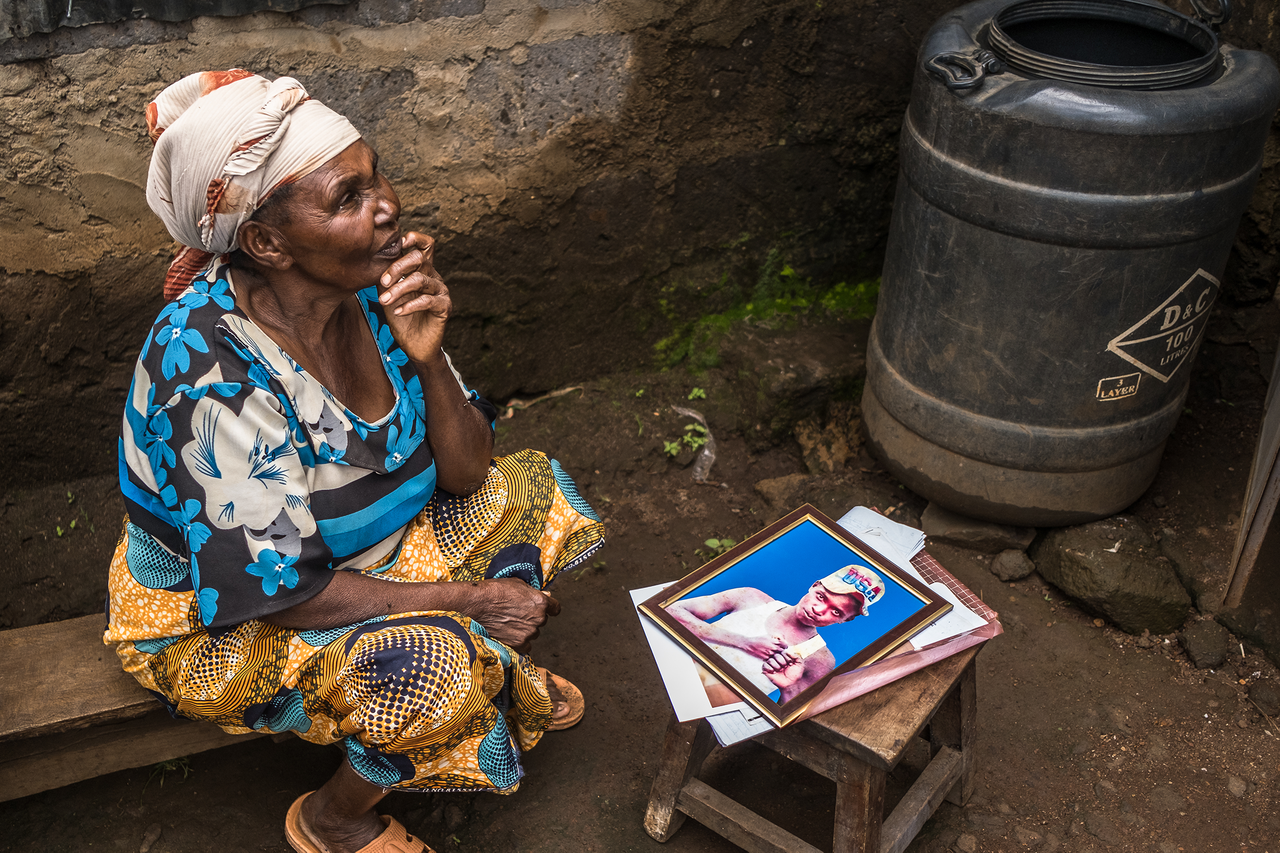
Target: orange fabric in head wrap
x=224, y=140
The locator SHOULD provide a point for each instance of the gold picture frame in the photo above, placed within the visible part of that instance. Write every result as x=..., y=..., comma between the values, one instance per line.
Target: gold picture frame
x=852, y=607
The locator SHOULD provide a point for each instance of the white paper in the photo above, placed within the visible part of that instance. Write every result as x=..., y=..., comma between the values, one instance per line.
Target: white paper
x=679, y=669
x=874, y=528
x=737, y=726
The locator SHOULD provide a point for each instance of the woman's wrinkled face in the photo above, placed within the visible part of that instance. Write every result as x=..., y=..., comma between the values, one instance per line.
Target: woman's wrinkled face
x=821, y=607
x=341, y=222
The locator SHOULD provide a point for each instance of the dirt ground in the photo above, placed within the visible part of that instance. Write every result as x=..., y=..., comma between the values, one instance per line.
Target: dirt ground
x=1088, y=740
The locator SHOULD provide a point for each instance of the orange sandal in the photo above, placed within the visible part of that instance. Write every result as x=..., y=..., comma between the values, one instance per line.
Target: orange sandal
x=394, y=839
x=567, y=704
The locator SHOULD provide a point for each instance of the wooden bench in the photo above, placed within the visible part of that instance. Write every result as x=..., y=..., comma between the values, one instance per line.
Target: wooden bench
x=68, y=712
x=855, y=745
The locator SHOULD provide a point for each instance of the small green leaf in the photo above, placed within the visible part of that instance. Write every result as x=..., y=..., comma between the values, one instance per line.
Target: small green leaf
x=671, y=448
x=59, y=529
x=716, y=547
x=697, y=394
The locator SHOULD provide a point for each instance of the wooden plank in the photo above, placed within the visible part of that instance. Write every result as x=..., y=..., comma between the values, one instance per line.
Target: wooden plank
x=61, y=676
x=878, y=726
x=40, y=764
x=792, y=743
x=955, y=725
x=1260, y=502
x=684, y=748
x=736, y=822
x=859, y=805
x=921, y=801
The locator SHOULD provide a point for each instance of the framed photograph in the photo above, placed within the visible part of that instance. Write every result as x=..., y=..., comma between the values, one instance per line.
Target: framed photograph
x=778, y=616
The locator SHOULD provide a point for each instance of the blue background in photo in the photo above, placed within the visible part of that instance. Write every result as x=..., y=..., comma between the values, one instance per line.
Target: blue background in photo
x=788, y=566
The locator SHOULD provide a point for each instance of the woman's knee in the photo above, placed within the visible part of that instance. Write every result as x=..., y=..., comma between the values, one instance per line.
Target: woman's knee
x=411, y=678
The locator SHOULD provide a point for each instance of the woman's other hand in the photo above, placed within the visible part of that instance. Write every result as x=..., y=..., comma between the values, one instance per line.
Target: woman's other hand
x=512, y=611
x=509, y=609
x=415, y=299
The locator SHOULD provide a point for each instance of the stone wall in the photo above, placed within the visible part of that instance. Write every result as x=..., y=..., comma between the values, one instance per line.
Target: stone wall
x=1255, y=265
x=579, y=161
x=572, y=158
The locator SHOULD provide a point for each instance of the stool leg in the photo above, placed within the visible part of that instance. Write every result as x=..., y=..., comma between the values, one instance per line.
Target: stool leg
x=954, y=724
x=684, y=749
x=859, y=806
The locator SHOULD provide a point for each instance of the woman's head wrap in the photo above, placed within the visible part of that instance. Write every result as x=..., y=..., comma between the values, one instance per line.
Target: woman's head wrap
x=224, y=141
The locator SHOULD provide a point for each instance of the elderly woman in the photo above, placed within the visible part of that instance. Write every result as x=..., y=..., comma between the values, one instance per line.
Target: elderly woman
x=317, y=538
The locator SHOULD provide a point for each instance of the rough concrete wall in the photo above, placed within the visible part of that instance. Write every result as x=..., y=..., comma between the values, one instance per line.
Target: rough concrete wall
x=570, y=156
x=574, y=158
x=1255, y=264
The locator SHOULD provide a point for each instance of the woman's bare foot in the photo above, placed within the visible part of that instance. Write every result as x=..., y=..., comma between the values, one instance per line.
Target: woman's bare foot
x=340, y=817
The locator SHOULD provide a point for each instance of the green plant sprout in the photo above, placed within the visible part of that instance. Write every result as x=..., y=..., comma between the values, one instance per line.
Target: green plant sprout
x=164, y=768
x=695, y=435
x=586, y=568
x=697, y=394
x=716, y=547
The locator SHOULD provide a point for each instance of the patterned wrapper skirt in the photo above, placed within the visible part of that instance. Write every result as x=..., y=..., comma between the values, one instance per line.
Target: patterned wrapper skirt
x=419, y=701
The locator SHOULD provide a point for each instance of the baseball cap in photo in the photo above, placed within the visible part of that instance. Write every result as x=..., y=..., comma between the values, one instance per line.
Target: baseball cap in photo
x=858, y=581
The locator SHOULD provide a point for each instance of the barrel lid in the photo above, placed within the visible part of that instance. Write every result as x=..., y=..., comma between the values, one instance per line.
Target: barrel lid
x=1126, y=44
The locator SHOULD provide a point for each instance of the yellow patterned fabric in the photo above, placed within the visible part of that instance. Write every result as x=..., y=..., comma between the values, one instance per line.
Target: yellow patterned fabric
x=423, y=700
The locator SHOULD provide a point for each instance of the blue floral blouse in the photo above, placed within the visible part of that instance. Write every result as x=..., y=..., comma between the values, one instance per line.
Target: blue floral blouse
x=245, y=467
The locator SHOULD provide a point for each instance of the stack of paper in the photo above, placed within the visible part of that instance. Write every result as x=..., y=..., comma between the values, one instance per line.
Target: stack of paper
x=894, y=541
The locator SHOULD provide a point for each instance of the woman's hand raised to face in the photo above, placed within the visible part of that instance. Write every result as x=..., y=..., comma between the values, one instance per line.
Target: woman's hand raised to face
x=417, y=305
x=415, y=299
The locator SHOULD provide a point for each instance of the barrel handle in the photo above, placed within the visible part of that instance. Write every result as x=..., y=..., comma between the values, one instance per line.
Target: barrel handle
x=965, y=70
x=1216, y=20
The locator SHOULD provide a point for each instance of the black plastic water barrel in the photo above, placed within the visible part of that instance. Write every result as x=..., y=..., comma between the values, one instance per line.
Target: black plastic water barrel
x=1072, y=176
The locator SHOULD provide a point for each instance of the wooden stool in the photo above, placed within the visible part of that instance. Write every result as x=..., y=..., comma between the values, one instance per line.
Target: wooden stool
x=855, y=745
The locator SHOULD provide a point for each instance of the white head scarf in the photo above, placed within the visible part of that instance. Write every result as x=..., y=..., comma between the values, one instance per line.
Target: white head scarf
x=224, y=141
